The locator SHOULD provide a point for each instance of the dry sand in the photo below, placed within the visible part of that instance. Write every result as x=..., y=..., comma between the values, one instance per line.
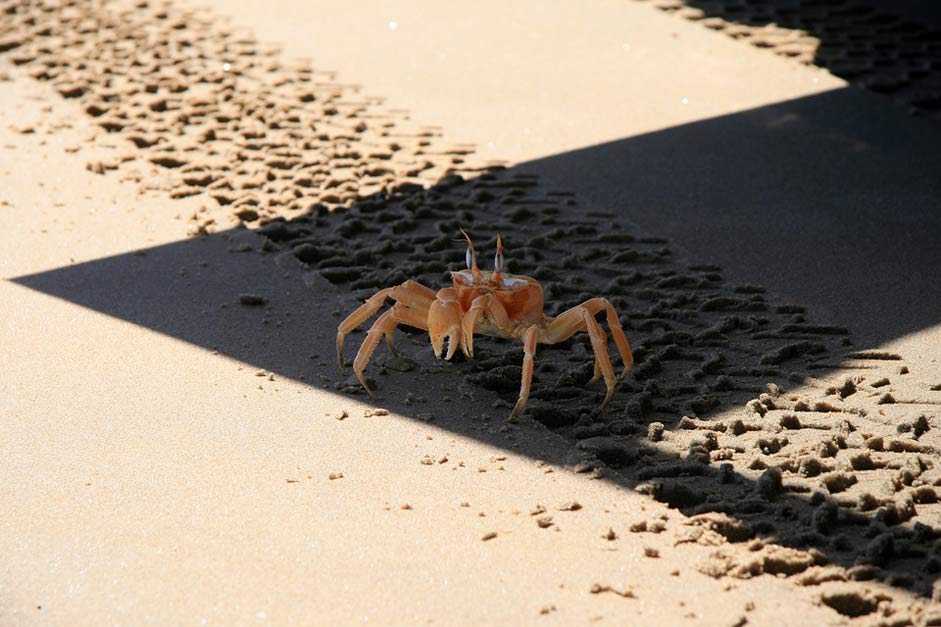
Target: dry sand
x=180, y=449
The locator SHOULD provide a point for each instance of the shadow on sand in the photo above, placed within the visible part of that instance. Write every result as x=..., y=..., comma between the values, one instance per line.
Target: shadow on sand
x=834, y=199
x=817, y=198
x=887, y=47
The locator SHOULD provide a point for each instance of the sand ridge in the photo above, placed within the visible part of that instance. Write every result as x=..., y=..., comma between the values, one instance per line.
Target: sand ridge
x=175, y=87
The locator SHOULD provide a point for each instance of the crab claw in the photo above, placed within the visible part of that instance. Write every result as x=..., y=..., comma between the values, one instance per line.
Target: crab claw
x=467, y=333
x=444, y=321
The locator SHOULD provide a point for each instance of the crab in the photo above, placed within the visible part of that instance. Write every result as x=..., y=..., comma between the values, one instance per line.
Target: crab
x=487, y=303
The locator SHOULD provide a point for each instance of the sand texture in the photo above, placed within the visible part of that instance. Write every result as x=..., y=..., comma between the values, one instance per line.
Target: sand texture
x=190, y=213
x=868, y=44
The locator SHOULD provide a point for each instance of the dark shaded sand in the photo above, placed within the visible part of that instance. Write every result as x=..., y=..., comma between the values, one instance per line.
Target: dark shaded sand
x=763, y=437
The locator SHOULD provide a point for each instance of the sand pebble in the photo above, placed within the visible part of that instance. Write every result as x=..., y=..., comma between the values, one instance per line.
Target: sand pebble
x=769, y=483
x=252, y=300
x=597, y=588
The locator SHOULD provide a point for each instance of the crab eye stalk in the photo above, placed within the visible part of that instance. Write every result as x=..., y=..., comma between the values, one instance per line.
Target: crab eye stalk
x=470, y=257
x=498, y=262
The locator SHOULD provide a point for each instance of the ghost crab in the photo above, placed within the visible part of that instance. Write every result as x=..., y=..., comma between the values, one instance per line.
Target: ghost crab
x=488, y=303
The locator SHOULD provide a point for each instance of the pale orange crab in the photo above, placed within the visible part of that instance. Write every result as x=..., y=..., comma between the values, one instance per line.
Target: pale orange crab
x=489, y=303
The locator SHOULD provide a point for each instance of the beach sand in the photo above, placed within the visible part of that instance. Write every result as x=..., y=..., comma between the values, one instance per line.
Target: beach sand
x=190, y=213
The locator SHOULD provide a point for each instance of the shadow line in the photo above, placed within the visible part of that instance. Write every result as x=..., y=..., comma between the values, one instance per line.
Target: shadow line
x=721, y=417
x=762, y=423
x=891, y=48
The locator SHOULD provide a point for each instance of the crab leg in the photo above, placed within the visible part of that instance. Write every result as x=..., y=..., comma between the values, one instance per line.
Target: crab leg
x=598, y=373
x=384, y=325
x=405, y=315
x=530, y=340
x=599, y=342
x=568, y=324
x=376, y=331
x=582, y=318
x=411, y=293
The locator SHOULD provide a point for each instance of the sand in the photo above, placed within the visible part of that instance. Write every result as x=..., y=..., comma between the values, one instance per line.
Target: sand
x=180, y=447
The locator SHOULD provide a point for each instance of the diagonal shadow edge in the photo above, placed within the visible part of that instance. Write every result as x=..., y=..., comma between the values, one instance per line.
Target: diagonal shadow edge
x=834, y=195
x=189, y=290
x=690, y=488
x=669, y=305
